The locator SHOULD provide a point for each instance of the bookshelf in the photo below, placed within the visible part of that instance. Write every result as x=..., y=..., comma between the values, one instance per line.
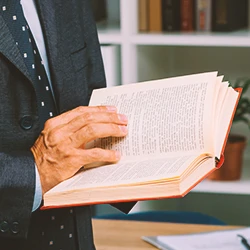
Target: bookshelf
x=147, y=56
x=241, y=187
x=109, y=34
x=234, y=39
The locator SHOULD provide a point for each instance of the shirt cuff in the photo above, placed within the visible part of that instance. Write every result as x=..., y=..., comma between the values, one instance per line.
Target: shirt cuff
x=38, y=192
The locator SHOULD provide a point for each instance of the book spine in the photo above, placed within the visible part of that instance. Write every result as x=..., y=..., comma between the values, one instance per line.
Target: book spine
x=230, y=15
x=143, y=8
x=187, y=15
x=220, y=15
x=171, y=15
x=155, y=16
x=203, y=15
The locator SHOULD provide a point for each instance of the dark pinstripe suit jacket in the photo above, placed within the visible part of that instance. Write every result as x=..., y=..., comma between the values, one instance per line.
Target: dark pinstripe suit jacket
x=76, y=69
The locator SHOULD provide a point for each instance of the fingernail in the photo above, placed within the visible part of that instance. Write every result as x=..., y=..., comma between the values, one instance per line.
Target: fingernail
x=111, y=108
x=123, y=129
x=118, y=155
x=123, y=118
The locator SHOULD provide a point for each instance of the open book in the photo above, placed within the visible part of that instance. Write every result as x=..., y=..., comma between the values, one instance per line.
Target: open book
x=177, y=131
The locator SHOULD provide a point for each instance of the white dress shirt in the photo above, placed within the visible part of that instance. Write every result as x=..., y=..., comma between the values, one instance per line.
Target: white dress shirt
x=32, y=18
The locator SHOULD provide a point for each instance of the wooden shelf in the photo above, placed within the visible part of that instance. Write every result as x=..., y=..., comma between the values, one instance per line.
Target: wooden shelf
x=241, y=187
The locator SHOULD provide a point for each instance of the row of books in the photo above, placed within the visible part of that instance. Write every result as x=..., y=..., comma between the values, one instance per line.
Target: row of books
x=192, y=15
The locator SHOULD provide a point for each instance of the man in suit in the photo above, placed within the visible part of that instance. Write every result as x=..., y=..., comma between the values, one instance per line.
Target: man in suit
x=35, y=157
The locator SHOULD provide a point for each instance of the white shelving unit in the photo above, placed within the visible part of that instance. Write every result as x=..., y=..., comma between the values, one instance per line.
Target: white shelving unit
x=237, y=39
x=109, y=34
x=151, y=56
x=241, y=187
x=112, y=34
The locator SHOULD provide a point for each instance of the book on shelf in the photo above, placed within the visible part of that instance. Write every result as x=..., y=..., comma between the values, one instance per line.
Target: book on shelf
x=155, y=16
x=229, y=15
x=229, y=239
x=193, y=15
x=203, y=15
x=187, y=15
x=171, y=15
x=177, y=131
x=143, y=20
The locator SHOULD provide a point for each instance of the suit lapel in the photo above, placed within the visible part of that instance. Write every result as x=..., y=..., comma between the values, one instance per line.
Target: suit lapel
x=58, y=23
x=60, y=37
x=46, y=11
x=9, y=49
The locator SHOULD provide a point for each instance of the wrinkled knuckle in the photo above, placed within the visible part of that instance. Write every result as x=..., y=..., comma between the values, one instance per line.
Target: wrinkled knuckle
x=71, y=140
x=49, y=139
x=53, y=138
x=49, y=123
x=88, y=117
x=90, y=130
x=112, y=117
x=54, y=135
x=61, y=148
x=116, y=128
x=96, y=153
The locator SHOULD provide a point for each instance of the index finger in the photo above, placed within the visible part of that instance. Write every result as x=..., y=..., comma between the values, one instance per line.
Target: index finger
x=72, y=114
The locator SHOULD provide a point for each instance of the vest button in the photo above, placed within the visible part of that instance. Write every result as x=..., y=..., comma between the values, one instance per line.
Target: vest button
x=4, y=226
x=15, y=228
x=26, y=122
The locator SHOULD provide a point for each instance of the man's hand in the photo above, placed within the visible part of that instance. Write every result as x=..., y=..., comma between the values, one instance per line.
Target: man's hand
x=60, y=152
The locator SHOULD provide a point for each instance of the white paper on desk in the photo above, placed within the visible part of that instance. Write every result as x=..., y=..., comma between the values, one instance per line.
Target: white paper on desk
x=218, y=240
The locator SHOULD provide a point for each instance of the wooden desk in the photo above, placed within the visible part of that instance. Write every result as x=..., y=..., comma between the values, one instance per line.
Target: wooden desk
x=126, y=235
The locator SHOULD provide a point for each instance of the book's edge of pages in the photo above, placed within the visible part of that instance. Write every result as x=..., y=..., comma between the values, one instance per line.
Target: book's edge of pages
x=239, y=90
x=45, y=207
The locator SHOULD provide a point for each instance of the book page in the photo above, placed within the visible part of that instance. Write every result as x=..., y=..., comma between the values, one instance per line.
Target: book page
x=218, y=112
x=218, y=100
x=168, y=116
x=146, y=170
